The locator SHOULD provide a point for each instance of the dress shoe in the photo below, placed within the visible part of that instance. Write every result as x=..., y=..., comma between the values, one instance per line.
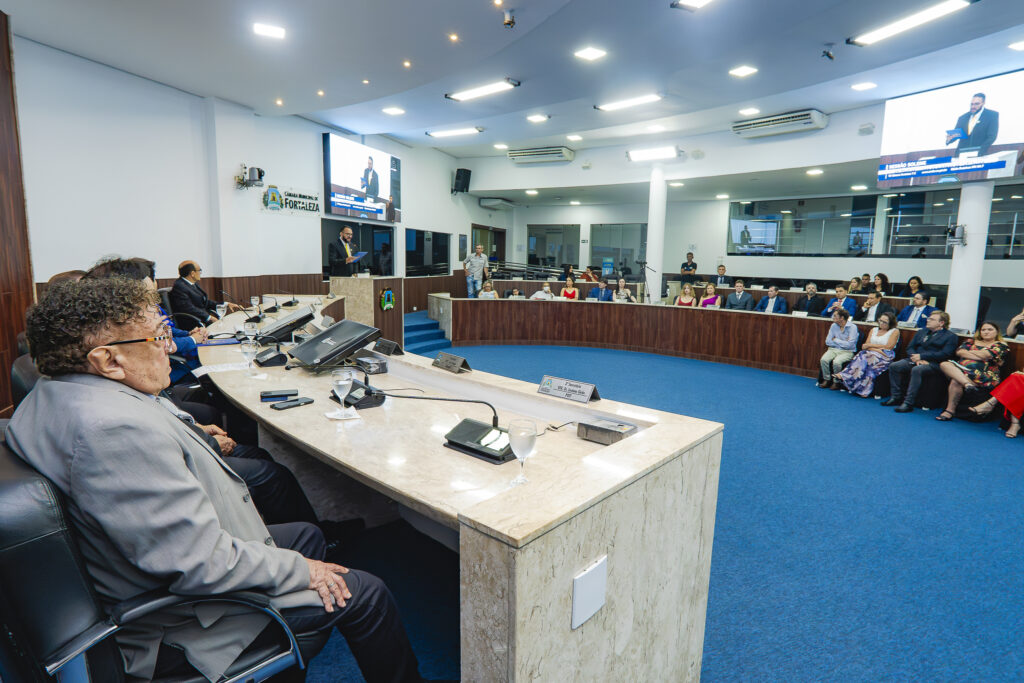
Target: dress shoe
x=904, y=408
x=890, y=402
x=836, y=386
x=823, y=384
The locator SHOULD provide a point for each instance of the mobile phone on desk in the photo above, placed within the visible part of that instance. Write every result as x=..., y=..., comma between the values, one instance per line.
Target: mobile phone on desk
x=273, y=395
x=293, y=403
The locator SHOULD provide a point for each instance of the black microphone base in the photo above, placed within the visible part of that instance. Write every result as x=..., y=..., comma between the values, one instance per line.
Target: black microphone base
x=289, y=304
x=480, y=440
x=255, y=319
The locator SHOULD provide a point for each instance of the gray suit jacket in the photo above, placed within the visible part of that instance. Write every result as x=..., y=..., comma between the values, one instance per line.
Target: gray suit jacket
x=744, y=303
x=154, y=507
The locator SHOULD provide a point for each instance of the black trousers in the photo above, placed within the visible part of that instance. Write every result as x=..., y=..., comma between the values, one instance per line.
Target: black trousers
x=903, y=370
x=275, y=490
x=369, y=621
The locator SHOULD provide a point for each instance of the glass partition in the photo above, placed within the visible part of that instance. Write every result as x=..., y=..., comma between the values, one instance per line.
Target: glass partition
x=553, y=245
x=623, y=243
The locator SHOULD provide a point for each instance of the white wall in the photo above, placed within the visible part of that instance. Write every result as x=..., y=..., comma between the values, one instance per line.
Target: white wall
x=117, y=164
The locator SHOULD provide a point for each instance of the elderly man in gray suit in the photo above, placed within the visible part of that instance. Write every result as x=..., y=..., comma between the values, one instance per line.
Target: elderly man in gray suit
x=740, y=299
x=154, y=507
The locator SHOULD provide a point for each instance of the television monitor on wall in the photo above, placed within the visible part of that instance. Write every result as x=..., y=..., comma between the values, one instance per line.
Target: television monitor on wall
x=753, y=237
x=360, y=181
x=963, y=132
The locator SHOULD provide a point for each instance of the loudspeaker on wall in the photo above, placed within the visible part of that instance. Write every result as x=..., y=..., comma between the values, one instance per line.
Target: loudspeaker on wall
x=461, y=180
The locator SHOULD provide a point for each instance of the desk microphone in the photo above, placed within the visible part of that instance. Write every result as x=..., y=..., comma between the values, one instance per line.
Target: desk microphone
x=245, y=309
x=294, y=300
x=472, y=437
x=270, y=309
x=494, y=420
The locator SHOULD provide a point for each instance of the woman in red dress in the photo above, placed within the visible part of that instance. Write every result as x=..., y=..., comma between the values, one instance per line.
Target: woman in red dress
x=570, y=291
x=1010, y=393
x=686, y=297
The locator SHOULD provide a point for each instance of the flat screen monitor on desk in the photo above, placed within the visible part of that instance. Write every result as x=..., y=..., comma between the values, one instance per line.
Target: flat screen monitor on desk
x=282, y=329
x=334, y=344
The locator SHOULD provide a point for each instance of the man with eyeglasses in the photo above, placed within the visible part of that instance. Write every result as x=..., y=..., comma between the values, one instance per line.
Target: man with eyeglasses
x=155, y=507
x=189, y=298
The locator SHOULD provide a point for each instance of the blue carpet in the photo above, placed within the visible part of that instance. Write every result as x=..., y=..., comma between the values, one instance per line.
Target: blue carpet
x=851, y=543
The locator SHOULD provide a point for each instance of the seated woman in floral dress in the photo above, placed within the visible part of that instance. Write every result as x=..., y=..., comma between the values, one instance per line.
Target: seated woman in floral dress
x=976, y=366
x=877, y=352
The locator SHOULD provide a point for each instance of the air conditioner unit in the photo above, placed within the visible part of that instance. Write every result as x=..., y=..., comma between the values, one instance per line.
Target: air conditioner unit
x=496, y=204
x=540, y=155
x=780, y=124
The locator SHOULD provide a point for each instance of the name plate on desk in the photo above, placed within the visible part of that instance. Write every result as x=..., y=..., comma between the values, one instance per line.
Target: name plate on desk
x=388, y=347
x=451, y=362
x=568, y=388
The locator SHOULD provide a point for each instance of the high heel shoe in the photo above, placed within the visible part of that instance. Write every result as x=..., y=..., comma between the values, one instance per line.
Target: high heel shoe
x=1012, y=430
x=985, y=408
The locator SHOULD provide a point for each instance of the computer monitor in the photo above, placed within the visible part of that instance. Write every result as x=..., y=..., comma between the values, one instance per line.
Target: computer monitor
x=281, y=330
x=334, y=344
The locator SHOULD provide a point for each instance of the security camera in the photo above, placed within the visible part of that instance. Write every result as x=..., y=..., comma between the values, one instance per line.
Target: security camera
x=510, y=21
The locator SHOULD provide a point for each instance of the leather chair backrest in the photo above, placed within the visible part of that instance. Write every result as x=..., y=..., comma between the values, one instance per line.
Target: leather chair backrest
x=47, y=596
x=23, y=377
x=165, y=299
x=22, y=344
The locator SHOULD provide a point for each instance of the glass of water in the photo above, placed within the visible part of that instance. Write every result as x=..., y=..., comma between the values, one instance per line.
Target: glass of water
x=250, y=330
x=522, y=437
x=222, y=310
x=254, y=301
x=341, y=379
x=249, y=351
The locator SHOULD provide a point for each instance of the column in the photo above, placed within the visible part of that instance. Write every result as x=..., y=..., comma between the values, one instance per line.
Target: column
x=878, y=242
x=585, y=246
x=657, y=205
x=969, y=261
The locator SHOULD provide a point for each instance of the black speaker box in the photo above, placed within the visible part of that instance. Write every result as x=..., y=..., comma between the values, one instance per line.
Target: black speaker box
x=461, y=180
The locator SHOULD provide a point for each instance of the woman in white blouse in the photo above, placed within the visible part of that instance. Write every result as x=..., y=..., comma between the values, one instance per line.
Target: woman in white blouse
x=877, y=352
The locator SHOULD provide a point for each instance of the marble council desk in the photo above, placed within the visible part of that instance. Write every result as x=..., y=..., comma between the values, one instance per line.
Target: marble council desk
x=647, y=503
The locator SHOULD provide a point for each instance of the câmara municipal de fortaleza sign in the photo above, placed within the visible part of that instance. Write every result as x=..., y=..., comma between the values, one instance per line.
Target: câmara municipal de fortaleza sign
x=281, y=200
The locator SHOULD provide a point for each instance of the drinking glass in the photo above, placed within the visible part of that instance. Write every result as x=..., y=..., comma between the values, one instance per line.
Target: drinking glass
x=222, y=310
x=249, y=351
x=522, y=437
x=254, y=301
x=342, y=379
x=251, y=330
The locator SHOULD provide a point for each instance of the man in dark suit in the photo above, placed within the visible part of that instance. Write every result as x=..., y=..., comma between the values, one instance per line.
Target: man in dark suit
x=740, y=300
x=341, y=254
x=369, y=182
x=189, y=298
x=721, y=280
x=872, y=308
x=773, y=303
x=812, y=304
x=930, y=346
x=980, y=127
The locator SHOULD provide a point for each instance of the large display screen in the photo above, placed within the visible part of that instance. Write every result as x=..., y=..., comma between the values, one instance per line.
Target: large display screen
x=970, y=131
x=753, y=237
x=360, y=181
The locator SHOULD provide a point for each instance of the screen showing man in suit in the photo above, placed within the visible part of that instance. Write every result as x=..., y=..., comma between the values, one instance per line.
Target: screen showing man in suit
x=968, y=131
x=360, y=181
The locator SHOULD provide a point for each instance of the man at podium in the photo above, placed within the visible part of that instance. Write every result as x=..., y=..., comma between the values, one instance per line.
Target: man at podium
x=976, y=129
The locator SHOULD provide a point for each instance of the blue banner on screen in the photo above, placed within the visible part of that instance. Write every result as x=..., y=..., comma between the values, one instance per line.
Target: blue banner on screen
x=361, y=182
x=963, y=132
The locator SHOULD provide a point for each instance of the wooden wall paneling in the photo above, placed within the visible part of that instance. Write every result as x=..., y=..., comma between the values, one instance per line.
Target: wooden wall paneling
x=415, y=289
x=391, y=323
x=15, y=258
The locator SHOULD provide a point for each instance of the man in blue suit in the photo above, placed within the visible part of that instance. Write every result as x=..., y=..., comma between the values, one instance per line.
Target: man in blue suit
x=740, y=300
x=929, y=347
x=601, y=292
x=840, y=300
x=773, y=303
x=916, y=313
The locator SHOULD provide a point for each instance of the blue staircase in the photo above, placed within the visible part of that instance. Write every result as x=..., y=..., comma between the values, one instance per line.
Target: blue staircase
x=423, y=336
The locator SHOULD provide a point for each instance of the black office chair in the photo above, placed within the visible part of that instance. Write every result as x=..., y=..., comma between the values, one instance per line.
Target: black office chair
x=165, y=299
x=22, y=344
x=23, y=377
x=51, y=618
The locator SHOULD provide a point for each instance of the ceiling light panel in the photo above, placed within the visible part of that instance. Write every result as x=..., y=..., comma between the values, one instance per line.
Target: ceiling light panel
x=749, y=111
x=531, y=192
x=452, y=132
x=914, y=20
x=653, y=153
x=743, y=71
x=858, y=188
x=721, y=196
x=866, y=85
x=1019, y=46
x=484, y=90
x=676, y=183
x=575, y=202
x=590, y=53
x=631, y=102
x=814, y=171
x=500, y=145
x=689, y=4
x=268, y=31
x=574, y=137
x=393, y=111
x=537, y=118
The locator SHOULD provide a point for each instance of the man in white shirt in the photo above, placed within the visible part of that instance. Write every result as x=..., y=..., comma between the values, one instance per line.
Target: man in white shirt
x=543, y=294
x=475, y=267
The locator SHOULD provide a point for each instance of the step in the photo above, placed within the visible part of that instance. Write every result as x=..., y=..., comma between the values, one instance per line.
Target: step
x=423, y=337
x=418, y=327
x=428, y=349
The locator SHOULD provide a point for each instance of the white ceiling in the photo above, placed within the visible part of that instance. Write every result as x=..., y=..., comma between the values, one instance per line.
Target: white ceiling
x=208, y=48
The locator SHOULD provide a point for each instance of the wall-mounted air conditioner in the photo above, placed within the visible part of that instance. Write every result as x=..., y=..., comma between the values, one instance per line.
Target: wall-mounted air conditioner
x=541, y=155
x=496, y=204
x=780, y=124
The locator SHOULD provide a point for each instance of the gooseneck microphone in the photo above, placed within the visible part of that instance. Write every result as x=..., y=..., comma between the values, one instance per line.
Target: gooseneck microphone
x=294, y=300
x=494, y=420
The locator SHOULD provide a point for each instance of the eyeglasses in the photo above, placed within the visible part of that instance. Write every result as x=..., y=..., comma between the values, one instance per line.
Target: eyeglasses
x=165, y=338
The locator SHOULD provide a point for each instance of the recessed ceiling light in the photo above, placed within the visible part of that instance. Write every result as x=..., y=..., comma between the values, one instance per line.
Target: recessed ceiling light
x=1016, y=196
x=858, y=188
x=749, y=111
x=743, y=71
x=454, y=37
x=721, y=196
x=590, y=53
x=653, y=153
x=745, y=203
x=320, y=93
x=846, y=215
x=786, y=211
x=676, y=183
x=537, y=118
x=575, y=202
x=500, y=145
x=366, y=81
x=393, y=111
x=531, y=192
x=1019, y=46
x=949, y=199
x=938, y=204
x=481, y=91
x=268, y=31
x=407, y=64
x=656, y=128
x=997, y=199
x=631, y=102
x=498, y=3
x=279, y=102
x=574, y=137
x=890, y=195
x=814, y=171
x=907, y=23
x=866, y=85
x=888, y=208
x=453, y=132
x=689, y=4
